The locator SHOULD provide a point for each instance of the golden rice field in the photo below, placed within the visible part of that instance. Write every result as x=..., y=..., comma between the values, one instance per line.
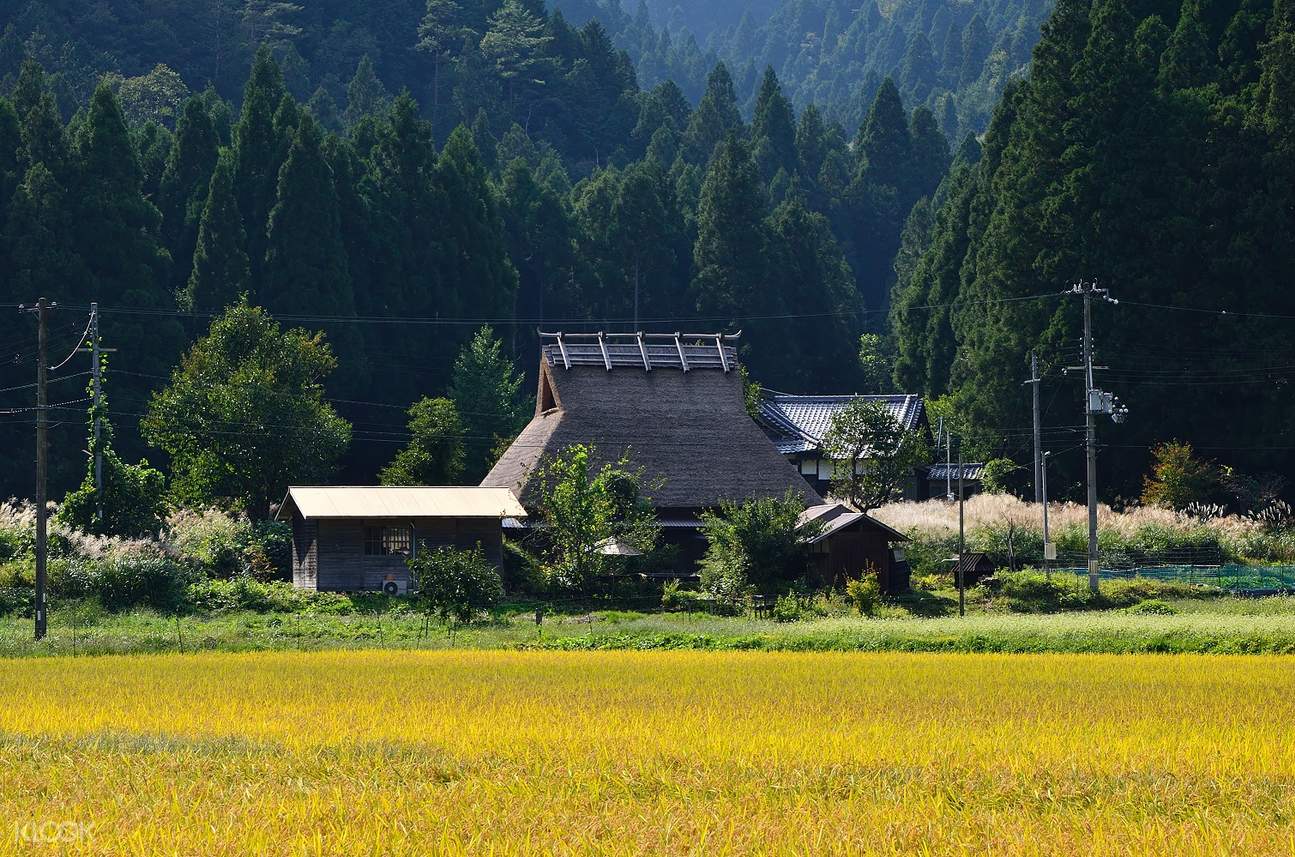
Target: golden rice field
x=633, y=753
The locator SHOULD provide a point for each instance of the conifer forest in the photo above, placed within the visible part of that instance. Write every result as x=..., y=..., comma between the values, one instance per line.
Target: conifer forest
x=883, y=196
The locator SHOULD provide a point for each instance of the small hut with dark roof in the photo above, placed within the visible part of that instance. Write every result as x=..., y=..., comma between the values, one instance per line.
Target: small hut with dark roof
x=672, y=404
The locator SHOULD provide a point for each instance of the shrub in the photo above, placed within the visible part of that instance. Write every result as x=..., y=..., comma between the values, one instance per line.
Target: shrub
x=1152, y=607
x=267, y=552
x=456, y=584
x=245, y=593
x=789, y=608
x=725, y=581
x=212, y=538
x=124, y=579
x=865, y=593
x=676, y=599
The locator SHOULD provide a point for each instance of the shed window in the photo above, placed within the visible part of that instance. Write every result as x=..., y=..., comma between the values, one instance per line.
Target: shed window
x=387, y=541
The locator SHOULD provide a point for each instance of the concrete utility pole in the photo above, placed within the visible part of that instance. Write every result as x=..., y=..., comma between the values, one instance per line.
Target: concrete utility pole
x=98, y=410
x=1095, y=402
x=1035, y=382
x=962, y=540
x=41, y=310
x=1049, y=551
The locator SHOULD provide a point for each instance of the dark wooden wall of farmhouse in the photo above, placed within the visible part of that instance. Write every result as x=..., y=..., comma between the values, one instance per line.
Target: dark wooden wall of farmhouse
x=334, y=559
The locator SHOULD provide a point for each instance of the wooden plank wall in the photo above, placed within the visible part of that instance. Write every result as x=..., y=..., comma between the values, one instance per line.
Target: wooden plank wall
x=332, y=558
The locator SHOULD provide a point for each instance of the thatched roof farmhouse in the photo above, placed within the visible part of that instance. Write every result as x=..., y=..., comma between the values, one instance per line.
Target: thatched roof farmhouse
x=672, y=404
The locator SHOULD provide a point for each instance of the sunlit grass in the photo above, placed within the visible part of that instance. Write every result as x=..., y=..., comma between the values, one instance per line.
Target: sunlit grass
x=629, y=753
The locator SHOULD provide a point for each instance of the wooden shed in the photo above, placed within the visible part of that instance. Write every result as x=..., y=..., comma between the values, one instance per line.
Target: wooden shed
x=358, y=539
x=848, y=544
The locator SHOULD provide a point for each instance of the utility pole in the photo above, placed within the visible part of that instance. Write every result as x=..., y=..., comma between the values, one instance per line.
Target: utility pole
x=1035, y=381
x=948, y=465
x=1095, y=402
x=41, y=309
x=1049, y=551
x=98, y=408
x=962, y=540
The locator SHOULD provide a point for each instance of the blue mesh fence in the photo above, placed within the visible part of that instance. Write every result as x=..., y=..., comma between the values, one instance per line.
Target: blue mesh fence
x=1233, y=577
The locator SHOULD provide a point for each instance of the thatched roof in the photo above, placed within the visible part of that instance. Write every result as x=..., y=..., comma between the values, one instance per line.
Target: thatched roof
x=687, y=430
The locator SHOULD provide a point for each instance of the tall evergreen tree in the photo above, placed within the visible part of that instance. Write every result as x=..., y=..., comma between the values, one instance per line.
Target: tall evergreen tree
x=884, y=146
x=715, y=118
x=220, y=271
x=486, y=390
x=1188, y=61
x=259, y=149
x=305, y=265
x=476, y=251
x=435, y=453
x=773, y=129
x=365, y=94
x=185, y=184
x=731, y=254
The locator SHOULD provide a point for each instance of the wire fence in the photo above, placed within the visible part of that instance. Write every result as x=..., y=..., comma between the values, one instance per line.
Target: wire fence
x=1233, y=577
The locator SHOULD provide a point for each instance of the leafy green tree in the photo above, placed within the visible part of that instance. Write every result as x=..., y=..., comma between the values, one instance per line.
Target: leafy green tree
x=435, y=453
x=876, y=363
x=221, y=271
x=874, y=455
x=582, y=507
x=1178, y=477
x=486, y=390
x=456, y=585
x=999, y=476
x=157, y=96
x=757, y=545
x=244, y=415
x=133, y=501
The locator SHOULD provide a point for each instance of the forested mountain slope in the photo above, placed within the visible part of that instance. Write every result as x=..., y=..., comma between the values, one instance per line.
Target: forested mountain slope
x=1152, y=149
x=620, y=208
x=953, y=56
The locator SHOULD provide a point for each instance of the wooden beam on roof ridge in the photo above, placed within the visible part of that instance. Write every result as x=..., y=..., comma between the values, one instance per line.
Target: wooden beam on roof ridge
x=683, y=360
x=562, y=346
x=723, y=358
x=602, y=346
x=647, y=361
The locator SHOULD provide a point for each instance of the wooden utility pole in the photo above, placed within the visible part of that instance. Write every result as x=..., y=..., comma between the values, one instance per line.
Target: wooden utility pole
x=41, y=309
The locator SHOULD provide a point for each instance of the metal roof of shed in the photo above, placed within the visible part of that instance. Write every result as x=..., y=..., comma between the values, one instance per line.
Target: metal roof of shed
x=413, y=502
